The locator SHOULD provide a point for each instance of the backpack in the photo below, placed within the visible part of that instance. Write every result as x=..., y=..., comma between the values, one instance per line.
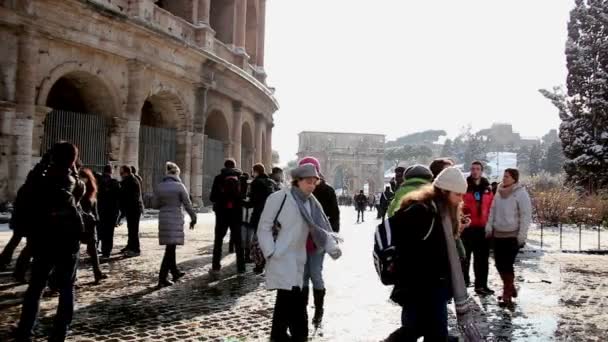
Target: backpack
x=230, y=191
x=269, y=187
x=385, y=253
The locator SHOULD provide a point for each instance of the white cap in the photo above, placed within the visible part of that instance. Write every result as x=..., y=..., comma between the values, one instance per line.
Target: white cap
x=451, y=179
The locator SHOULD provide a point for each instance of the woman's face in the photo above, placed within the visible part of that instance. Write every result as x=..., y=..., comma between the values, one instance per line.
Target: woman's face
x=308, y=185
x=455, y=198
x=507, y=180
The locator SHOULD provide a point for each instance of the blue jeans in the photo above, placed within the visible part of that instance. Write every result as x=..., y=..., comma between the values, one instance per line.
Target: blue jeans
x=314, y=270
x=426, y=316
x=64, y=266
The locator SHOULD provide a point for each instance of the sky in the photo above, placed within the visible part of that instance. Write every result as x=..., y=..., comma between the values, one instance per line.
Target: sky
x=396, y=67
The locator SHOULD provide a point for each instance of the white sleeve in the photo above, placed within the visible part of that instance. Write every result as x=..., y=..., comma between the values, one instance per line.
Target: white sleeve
x=525, y=215
x=264, y=229
x=490, y=224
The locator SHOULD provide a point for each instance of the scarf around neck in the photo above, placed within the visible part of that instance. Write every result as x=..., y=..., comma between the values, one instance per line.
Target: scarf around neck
x=464, y=303
x=320, y=229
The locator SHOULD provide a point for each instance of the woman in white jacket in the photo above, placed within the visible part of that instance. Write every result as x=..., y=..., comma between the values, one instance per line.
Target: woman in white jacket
x=510, y=218
x=297, y=212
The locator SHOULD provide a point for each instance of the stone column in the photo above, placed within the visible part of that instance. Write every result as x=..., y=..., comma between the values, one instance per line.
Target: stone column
x=259, y=122
x=135, y=100
x=240, y=33
x=237, y=131
x=38, y=130
x=268, y=156
x=204, y=8
x=196, y=168
x=261, y=34
x=205, y=35
x=228, y=150
x=25, y=97
x=7, y=116
x=182, y=154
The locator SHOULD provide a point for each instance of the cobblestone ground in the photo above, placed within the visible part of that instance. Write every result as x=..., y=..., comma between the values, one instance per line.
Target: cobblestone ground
x=562, y=296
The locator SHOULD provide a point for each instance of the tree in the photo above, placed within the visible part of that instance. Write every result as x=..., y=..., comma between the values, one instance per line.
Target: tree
x=448, y=149
x=419, y=138
x=476, y=150
x=523, y=159
x=554, y=159
x=275, y=157
x=583, y=108
x=408, y=153
x=536, y=160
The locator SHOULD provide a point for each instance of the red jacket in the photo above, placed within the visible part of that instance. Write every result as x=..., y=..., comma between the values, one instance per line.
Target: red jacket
x=478, y=213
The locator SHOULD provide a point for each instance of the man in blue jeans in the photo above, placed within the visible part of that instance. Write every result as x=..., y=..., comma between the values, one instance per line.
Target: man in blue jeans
x=54, y=240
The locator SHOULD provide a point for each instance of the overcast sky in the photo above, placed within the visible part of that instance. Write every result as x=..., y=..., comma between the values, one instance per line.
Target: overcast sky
x=399, y=66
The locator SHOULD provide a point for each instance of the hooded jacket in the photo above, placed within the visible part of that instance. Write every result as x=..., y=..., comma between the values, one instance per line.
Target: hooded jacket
x=408, y=186
x=511, y=213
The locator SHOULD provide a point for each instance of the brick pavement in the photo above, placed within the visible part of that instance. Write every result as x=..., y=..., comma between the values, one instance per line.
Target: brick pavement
x=129, y=307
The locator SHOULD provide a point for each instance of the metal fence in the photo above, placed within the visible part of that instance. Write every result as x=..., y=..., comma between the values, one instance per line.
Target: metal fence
x=156, y=147
x=212, y=164
x=89, y=132
x=570, y=238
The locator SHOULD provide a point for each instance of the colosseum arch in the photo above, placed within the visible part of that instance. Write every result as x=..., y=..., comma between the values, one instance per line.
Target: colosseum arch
x=217, y=139
x=247, y=147
x=80, y=105
x=163, y=119
x=221, y=15
x=251, y=38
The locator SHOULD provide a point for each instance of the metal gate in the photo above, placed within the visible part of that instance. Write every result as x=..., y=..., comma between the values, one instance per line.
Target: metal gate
x=213, y=162
x=89, y=132
x=156, y=147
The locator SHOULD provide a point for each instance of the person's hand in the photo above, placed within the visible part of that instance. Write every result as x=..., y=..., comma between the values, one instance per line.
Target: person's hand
x=488, y=235
x=192, y=224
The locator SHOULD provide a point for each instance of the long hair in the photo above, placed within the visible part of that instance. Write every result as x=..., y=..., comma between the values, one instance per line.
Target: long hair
x=429, y=193
x=91, y=188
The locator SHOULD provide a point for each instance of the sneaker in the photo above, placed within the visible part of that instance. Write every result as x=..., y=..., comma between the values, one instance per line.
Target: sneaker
x=178, y=275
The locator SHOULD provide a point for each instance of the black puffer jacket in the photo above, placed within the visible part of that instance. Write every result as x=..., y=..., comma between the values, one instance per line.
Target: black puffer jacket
x=422, y=262
x=326, y=195
x=261, y=187
x=130, y=196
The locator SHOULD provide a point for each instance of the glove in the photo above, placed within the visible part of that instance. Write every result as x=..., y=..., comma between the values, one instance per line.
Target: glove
x=193, y=223
x=332, y=248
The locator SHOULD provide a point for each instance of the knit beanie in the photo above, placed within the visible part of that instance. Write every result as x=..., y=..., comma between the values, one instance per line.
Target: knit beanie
x=451, y=179
x=172, y=169
x=311, y=160
x=418, y=171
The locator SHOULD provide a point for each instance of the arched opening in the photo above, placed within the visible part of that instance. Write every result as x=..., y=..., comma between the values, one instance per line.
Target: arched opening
x=251, y=38
x=81, y=105
x=221, y=15
x=247, y=149
x=216, y=138
x=157, y=140
x=343, y=179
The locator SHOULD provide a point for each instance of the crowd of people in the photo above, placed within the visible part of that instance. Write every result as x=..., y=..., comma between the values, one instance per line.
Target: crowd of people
x=434, y=213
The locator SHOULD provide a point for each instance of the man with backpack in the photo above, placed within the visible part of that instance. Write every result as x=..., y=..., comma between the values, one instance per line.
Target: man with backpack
x=53, y=232
x=261, y=187
x=360, y=204
x=108, y=197
x=227, y=202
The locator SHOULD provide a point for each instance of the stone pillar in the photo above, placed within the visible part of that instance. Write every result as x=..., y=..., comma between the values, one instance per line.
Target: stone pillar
x=38, y=130
x=25, y=97
x=268, y=156
x=259, y=122
x=228, y=150
x=182, y=155
x=240, y=25
x=196, y=168
x=7, y=116
x=237, y=131
x=135, y=100
x=205, y=35
x=261, y=34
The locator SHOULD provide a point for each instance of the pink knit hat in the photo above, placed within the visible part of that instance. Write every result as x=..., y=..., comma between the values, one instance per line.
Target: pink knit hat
x=310, y=160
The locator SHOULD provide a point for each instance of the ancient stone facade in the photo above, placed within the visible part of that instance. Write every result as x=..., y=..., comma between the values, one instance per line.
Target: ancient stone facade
x=187, y=73
x=349, y=161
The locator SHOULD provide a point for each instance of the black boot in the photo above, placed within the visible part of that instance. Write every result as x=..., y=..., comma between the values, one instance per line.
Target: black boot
x=319, y=297
x=305, y=294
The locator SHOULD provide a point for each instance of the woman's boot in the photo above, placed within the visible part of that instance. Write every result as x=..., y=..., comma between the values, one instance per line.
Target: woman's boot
x=319, y=297
x=506, y=299
x=305, y=294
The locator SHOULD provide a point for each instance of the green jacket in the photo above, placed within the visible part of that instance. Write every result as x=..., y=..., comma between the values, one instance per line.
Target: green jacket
x=405, y=188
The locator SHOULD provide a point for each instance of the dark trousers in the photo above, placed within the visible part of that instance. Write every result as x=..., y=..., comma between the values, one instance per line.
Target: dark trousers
x=361, y=214
x=133, y=228
x=92, y=251
x=289, y=313
x=505, y=252
x=224, y=220
x=106, y=233
x=169, y=263
x=64, y=266
x=426, y=316
x=476, y=244
x=9, y=249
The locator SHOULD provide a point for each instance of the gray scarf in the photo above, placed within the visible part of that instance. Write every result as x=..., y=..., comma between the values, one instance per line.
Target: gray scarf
x=319, y=226
x=464, y=304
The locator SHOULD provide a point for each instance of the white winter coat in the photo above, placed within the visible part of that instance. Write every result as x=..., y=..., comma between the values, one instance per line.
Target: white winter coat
x=285, y=258
x=511, y=216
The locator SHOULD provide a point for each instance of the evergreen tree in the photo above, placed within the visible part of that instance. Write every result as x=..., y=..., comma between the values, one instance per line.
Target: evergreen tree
x=536, y=160
x=476, y=150
x=584, y=108
x=554, y=159
x=448, y=149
